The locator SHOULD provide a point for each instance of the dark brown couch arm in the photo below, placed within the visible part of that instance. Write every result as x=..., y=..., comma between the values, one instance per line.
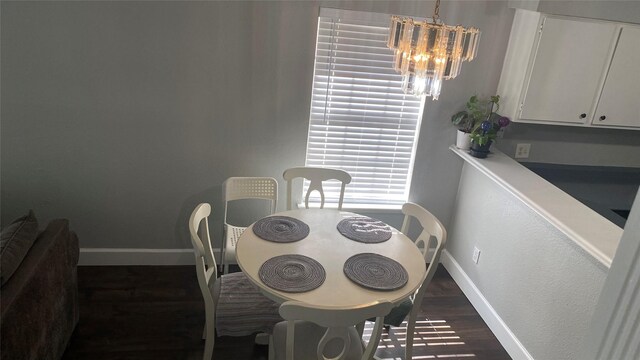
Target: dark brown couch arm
x=39, y=304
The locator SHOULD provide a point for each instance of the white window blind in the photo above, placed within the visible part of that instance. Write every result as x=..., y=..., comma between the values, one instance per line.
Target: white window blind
x=360, y=119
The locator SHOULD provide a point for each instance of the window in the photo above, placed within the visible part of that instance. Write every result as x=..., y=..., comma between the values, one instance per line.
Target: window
x=360, y=119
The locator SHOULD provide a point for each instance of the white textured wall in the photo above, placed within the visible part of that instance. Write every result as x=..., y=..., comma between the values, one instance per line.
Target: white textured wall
x=123, y=115
x=543, y=286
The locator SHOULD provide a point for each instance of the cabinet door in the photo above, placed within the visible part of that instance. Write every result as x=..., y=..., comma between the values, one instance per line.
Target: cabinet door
x=619, y=103
x=567, y=70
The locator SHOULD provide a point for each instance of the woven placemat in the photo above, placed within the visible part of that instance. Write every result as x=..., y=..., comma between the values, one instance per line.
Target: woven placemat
x=375, y=272
x=281, y=229
x=364, y=229
x=292, y=273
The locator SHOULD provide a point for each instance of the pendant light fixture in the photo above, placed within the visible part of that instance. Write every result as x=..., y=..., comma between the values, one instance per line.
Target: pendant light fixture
x=428, y=52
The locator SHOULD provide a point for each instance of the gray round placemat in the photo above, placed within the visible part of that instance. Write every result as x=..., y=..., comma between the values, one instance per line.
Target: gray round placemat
x=376, y=272
x=292, y=273
x=281, y=229
x=364, y=229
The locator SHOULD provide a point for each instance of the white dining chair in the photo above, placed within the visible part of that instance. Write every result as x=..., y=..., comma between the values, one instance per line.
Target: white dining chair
x=431, y=242
x=310, y=333
x=316, y=176
x=233, y=305
x=242, y=188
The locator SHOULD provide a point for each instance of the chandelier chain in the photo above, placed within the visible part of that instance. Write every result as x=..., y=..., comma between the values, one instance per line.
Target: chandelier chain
x=436, y=11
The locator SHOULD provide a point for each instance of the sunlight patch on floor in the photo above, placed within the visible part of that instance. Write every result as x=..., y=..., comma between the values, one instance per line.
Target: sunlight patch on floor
x=429, y=334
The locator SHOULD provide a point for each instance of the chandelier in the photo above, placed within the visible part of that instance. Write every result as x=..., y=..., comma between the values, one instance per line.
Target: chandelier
x=426, y=53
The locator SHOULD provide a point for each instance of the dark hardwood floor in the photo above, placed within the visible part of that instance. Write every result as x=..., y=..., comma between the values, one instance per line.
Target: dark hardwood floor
x=157, y=312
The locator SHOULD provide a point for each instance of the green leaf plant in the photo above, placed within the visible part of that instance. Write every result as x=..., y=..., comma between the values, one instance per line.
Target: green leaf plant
x=466, y=120
x=485, y=122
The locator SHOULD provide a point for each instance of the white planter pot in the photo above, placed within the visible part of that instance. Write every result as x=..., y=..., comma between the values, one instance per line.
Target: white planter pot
x=463, y=140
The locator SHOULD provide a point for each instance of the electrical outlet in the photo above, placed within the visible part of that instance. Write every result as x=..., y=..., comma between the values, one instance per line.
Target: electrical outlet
x=476, y=255
x=522, y=151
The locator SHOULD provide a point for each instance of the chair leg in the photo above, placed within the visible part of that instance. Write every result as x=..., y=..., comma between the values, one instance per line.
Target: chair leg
x=374, y=341
x=272, y=351
x=291, y=327
x=360, y=329
x=208, y=345
x=209, y=332
x=411, y=326
x=226, y=269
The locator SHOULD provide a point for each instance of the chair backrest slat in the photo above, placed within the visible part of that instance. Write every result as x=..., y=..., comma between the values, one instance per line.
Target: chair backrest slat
x=316, y=176
x=432, y=229
x=239, y=188
x=199, y=230
x=201, y=241
x=432, y=232
x=337, y=321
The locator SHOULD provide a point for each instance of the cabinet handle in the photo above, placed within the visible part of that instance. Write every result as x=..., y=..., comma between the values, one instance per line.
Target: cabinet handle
x=602, y=117
x=582, y=116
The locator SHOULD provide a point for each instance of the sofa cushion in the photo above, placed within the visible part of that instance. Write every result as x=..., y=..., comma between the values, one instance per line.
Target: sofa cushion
x=39, y=304
x=15, y=241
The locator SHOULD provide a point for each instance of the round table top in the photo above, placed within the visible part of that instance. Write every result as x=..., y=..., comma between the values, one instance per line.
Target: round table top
x=331, y=249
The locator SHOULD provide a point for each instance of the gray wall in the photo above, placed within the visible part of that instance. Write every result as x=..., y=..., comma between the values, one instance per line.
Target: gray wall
x=122, y=116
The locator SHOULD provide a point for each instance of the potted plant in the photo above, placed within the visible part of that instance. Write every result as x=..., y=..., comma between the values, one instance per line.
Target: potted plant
x=466, y=121
x=485, y=132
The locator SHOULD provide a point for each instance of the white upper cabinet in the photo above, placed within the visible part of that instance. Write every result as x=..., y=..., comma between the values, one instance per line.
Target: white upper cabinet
x=567, y=68
x=571, y=71
x=619, y=103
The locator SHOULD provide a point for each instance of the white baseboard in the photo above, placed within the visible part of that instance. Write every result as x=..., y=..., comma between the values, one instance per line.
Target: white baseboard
x=113, y=256
x=507, y=338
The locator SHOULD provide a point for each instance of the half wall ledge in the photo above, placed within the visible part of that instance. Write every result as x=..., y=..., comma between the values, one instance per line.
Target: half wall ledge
x=591, y=231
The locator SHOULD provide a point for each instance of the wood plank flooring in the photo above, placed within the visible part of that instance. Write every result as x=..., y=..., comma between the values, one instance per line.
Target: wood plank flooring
x=157, y=312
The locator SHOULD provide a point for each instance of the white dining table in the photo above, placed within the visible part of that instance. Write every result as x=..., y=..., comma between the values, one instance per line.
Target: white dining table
x=331, y=249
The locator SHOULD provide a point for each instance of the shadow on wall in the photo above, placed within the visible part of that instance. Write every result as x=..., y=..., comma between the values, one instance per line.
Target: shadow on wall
x=572, y=134
x=572, y=145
